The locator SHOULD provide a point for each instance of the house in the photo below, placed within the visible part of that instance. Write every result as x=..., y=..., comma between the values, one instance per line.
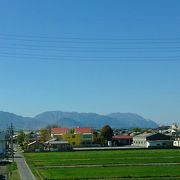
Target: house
x=152, y=140
x=75, y=137
x=122, y=140
x=56, y=146
x=66, y=134
x=2, y=144
x=86, y=135
x=59, y=132
x=176, y=142
x=35, y=146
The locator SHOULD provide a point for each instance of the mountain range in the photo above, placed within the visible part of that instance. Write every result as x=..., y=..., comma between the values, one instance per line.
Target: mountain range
x=74, y=119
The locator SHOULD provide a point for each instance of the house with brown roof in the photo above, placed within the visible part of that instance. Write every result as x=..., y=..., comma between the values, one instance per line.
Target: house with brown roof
x=59, y=132
x=122, y=140
x=76, y=137
x=86, y=135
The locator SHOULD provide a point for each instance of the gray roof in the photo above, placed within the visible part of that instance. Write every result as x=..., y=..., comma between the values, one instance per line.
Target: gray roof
x=58, y=142
x=145, y=135
x=51, y=140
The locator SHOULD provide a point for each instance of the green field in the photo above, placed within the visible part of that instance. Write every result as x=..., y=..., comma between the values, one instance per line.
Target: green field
x=118, y=164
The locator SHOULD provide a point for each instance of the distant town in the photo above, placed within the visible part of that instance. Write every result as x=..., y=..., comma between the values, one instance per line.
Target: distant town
x=55, y=138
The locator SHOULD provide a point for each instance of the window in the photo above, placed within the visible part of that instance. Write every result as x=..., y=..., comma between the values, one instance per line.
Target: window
x=87, y=136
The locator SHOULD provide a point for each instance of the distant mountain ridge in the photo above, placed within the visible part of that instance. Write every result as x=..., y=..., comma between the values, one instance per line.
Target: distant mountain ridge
x=74, y=119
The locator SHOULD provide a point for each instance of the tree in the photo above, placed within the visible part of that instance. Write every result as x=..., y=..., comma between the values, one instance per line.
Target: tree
x=29, y=137
x=106, y=134
x=136, y=130
x=21, y=137
x=96, y=137
x=72, y=131
x=45, y=135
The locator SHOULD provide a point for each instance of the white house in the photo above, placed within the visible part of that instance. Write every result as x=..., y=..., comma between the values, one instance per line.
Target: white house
x=176, y=143
x=152, y=140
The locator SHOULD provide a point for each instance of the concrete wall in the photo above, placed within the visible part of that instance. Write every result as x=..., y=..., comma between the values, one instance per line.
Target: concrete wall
x=139, y=141
x=176, y=143
x=159, y=144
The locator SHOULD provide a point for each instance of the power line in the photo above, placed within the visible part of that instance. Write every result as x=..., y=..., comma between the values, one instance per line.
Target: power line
x=94, y=49
x=98, y=51
x=80, y=56
x=125, y=41
x=100, y=59
x=78, y=40
x=89, y=38
x=88, y=47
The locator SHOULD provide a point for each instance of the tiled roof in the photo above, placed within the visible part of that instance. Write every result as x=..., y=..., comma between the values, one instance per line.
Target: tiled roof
x=122, y=137
x=59, y=130
x=83, y=130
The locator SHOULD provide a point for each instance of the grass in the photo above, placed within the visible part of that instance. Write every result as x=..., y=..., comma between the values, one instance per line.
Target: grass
x=13, y=172
x=144, y=164
x=103, y=172
x=9, y=170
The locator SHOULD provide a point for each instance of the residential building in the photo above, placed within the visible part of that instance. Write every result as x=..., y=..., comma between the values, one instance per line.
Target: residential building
x=122, y=140
x=2, y=144
x=59, y=132
x=152, y=140
x=56, y=146
x=176, y=142
x=73, y=139
x=86, y=135
x=35, y=146
x=76, y=137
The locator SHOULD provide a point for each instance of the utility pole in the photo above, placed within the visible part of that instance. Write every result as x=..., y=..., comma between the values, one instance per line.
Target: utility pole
x=11, y=142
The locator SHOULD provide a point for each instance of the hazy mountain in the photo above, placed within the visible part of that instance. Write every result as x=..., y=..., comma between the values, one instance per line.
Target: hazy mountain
x=7, y=118
x=132, y=120
x=74, y=119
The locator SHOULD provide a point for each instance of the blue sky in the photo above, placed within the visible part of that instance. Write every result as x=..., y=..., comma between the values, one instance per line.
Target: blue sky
x=91, y=56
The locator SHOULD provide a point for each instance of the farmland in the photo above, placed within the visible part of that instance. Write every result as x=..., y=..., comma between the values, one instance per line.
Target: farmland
x=119, y=164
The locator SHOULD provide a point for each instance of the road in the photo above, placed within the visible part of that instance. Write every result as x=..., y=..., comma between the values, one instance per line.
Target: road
x=24, y=170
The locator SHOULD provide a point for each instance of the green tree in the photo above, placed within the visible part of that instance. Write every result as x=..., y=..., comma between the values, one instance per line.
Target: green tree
x=72, y=131
x=21, y=137
x=106, y=134
x=29, y=137
x=136, y=130
x=96, y=137
x=45, y=135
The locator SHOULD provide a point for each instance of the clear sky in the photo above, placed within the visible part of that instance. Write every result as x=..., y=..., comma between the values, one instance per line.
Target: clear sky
x=98, y=56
